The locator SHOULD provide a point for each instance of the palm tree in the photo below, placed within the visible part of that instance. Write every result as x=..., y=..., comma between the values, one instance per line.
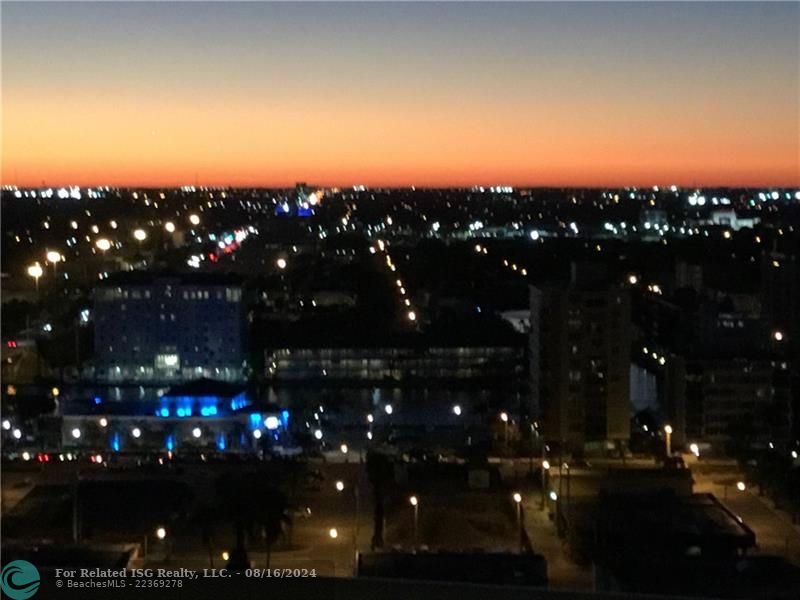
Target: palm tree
x=252, y=505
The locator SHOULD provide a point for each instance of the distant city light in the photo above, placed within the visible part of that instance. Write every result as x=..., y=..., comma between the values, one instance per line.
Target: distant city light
x=504, y=417
x=777, y=336
x=53, y=256
x=140, y=234
x=194, y=219
x=281, y=263
x=17, y=434
x=136, y=432
x=695, y=449
x=740, y=485
x=103, y=244
x=318, y=434
x=517, y=497
x=333, y=533
x=161, y=533
x=76, y=433
x=339, y=486
x=257, y=434
x=196, y=432
x=389, y=409
x=271, y=422
x=169, y=226
x=457, y=410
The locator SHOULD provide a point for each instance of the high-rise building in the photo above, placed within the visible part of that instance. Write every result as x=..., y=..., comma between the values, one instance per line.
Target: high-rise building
x=151, y=327
x=580, y=363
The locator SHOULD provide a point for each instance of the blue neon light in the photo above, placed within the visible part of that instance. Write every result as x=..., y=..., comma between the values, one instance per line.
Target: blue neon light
x=115, y=442
x=170, y=442
x=221, y=443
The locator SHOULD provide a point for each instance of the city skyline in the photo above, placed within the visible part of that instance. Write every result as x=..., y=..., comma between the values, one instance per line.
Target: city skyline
x=594, y=94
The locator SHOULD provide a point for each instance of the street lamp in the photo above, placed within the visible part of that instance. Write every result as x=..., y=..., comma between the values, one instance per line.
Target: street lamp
x=103, y=244
x=415, y=503
x=136, y=432
x=281, y=263
x=318, y=434
x=333, y=532
x=194, y=219
x=196, y=433
x=35, y=271
x=504, y=419
x=777, y=336
x=76, y=433
x=55, y=258
x=740, y=485
x=517, y=497
x=339, y=486
x=457, y=410
x=169, y=226
x=412, y=316
x=103, y=422
x=389, y=409
x=695, y=449
x=668, y=431
x=344, y=448
x=161, y=533
x=140, y=235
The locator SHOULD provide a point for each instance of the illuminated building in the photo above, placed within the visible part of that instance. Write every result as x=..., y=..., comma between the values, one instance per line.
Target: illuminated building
x=580, y=363
x=165, y=328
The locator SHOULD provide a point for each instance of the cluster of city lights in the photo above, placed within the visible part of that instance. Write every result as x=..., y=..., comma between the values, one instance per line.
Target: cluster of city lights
x=383, y=247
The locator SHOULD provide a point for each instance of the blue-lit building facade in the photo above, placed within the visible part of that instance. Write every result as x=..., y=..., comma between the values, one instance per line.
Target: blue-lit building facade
x=203, y=415
x=169, y=328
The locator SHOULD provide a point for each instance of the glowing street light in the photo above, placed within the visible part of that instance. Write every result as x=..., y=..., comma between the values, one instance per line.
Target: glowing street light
x=103, y=422
x=169, y=226
x=504, y=419
x=54, y=258
x=103, y=244
x=339, y=486
x=257, y=434
x=546, y=465
x=281, y=263
x=344, y=448
x=333, y=532
x=196, y=433
x=389, y=409
x=136, y=432
x=668, y=431
x=740, y=485
x=35, y=271
x=76, y=433
x=695, y=449
x=412, y=316
x=414, y=501
x=777, y=336
x=140, y=235
x=318, y=434
x=17, y=433
x=457, y=410
x=161, y=533
x=517, y=497
x=194, y=219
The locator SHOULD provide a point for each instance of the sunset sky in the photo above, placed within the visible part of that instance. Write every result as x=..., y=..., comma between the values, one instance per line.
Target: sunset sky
x=400, y=94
